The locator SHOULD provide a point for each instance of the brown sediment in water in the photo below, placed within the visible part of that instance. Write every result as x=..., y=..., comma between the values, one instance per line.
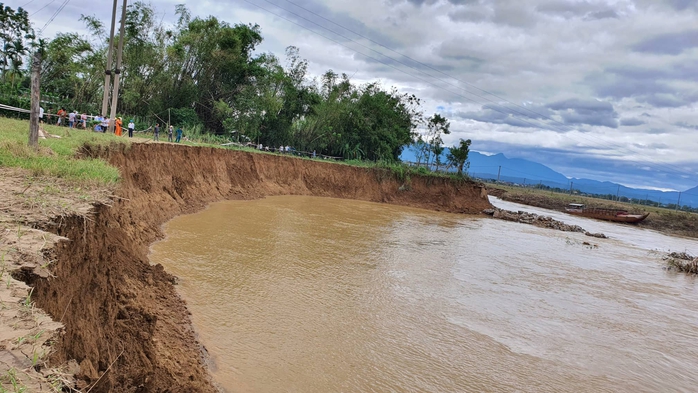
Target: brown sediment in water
x=124, y=322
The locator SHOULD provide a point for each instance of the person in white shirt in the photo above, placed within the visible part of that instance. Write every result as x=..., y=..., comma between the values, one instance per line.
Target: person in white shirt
x=131, y=127
x=71, y=119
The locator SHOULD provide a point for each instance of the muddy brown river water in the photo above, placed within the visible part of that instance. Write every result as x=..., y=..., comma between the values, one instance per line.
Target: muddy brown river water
x=304, y=294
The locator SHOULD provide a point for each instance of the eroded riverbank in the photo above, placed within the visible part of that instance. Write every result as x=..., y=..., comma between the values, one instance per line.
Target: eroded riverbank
x=123, y=321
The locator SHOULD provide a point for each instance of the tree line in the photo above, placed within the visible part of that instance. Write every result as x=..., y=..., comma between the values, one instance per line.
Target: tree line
x=205, y=74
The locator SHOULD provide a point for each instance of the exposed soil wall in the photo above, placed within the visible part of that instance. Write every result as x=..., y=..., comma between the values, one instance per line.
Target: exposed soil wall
x=124, y=322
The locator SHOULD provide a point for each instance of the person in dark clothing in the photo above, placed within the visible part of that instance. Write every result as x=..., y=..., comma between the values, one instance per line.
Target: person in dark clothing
x=179, y=134
x=156, y=137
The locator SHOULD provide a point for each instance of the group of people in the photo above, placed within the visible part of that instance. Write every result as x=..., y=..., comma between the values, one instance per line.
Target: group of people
x=281, y=149
x=74, y=119
x=285, y=150
x=102, y=125
x=170, y=131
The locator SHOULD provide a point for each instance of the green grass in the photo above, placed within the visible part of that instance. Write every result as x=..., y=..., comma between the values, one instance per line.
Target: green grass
x=56, y=156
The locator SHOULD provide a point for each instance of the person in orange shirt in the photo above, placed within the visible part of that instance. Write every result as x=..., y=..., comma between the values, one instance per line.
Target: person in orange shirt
x=119, y=124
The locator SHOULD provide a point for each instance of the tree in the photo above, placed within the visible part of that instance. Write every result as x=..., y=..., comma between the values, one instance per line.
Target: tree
x=458, y=156
x=15, y=30
x=437, y=126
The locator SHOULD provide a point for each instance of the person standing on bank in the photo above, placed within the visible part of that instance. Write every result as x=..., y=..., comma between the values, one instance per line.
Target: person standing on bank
x=156, y=136
x=131, y=127
x=61, y=116
x=169, y=134
x=119, y=126
x=179, y=134
x=71, y=119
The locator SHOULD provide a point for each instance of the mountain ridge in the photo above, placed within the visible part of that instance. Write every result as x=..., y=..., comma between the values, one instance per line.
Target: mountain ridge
x=524, y=172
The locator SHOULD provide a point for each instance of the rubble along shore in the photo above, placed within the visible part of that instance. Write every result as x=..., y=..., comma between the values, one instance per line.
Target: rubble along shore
x=539, y=221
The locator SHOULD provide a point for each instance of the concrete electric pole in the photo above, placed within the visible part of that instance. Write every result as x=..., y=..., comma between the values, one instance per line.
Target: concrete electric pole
x=107, y=67
x=117, y=72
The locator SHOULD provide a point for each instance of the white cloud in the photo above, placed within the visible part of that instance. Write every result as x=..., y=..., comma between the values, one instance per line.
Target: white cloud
x=538, y=52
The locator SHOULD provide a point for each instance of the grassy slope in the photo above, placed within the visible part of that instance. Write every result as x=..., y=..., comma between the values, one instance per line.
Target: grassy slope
x=56, y=156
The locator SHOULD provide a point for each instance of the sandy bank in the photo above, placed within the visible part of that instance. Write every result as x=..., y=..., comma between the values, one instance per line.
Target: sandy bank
x=123, y=321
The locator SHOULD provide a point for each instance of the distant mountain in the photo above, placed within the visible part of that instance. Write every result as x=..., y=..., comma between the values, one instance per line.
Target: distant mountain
x=524, y=172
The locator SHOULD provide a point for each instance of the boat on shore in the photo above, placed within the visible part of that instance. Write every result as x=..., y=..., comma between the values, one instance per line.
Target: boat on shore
x=617, y=215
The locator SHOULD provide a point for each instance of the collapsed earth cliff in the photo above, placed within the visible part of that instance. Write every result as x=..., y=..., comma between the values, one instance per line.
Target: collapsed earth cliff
x=123, y=321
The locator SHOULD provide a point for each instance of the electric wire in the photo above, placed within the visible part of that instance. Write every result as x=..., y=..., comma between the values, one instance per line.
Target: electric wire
x=385, y=63
x=668, y=167
x=40, y=9
x=430, y=67
x=511, y=112
x=55, y=14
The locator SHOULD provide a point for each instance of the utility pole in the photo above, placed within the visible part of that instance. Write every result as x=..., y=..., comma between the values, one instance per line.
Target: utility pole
x=571, y=184
x=679, y=202
x=617, y=193
x=35, y=101
x=115, y=94
x=498, y=173
x=107, y=69
x=524, y=182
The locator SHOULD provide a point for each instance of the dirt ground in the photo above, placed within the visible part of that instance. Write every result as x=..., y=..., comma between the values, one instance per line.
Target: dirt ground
x=28, y=334
x=124, y=327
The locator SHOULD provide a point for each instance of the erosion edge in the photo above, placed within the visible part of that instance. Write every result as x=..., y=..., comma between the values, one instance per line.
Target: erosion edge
x=124, y=322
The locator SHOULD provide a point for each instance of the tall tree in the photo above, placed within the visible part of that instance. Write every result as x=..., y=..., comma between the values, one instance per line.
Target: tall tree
x=437, y=126
x=15, y=31
x=458, y=155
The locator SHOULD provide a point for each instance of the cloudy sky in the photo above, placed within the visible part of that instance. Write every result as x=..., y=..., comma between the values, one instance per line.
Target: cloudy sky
x=603, y=89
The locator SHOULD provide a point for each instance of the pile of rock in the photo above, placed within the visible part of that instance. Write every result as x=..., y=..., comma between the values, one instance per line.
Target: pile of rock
x=682, y=262
x=538, y=220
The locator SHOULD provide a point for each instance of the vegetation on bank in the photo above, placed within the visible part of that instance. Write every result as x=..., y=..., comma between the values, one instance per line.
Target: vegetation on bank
x=56, y=156
x=660, y=219
x=205, y=75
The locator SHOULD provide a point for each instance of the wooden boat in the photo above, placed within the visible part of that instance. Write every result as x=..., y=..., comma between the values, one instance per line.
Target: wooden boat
x=604, y=214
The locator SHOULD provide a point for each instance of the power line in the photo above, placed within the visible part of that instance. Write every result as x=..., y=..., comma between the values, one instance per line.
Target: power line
x=539, y=115
x=58, y=11
x=382, y=62
x=384, y=55
x=40, y=9
x=22, y=6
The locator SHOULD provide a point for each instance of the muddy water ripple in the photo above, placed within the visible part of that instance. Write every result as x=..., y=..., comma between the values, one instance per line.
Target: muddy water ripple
x=301, y=294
